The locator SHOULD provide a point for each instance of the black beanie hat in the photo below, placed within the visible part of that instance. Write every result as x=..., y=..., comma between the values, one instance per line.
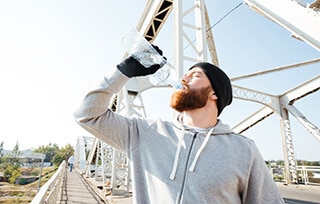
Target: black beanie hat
x=220, y=82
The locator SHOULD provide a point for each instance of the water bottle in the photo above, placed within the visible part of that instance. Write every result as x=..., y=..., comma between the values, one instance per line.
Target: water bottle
x=139, y=48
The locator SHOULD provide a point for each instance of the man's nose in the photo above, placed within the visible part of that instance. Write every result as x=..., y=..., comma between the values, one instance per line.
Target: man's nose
x=184, y=79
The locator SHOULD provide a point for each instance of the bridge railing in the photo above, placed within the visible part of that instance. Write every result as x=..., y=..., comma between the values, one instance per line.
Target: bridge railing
x=306, y=174
x=309, y=174
x=51, y=190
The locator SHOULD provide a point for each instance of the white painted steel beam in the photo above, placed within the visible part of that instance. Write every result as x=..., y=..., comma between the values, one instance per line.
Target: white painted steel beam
x=256, y=96
x=297, y=93
x=302, y=90
x=252, y=120
x=288, y=149
x=277, y=69
x=302, y=22
x=153, y=18
x=314, y=130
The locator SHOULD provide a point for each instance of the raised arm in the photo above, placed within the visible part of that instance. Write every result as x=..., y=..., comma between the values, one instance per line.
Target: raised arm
x=93, y=113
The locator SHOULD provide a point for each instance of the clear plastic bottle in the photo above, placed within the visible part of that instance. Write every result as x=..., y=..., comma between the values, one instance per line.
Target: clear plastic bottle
x=138, y=47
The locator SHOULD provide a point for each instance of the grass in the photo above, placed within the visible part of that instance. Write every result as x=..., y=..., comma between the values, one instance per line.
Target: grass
x=12, y=193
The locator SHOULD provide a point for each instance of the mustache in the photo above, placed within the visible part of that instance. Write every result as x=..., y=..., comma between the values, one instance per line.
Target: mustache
x=185, y=86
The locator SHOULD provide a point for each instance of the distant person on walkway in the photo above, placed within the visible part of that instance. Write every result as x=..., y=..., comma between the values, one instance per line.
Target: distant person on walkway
x=193, y=159
x=71, y=162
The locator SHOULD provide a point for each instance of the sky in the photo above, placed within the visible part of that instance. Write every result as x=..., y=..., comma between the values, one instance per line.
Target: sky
x=53, y=52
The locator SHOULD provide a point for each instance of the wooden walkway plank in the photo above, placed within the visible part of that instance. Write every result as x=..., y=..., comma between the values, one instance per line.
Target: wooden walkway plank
x=78, y=191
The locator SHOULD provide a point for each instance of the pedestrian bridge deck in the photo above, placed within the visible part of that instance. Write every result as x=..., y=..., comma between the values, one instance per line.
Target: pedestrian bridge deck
x=79, y=191
x=73, y=187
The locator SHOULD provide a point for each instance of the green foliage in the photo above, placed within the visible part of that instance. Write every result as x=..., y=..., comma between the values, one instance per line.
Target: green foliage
x=18, y=194
x=278, y=177
x=35, y=172
x=10, y=165
x=10, y=171
x=49, y=150
x=57, y=159
x=63, y=154
x=15, y=173
x=299, y=162
x=16, y=151
x=1, y=149
x=54, y=154
x=308, y=163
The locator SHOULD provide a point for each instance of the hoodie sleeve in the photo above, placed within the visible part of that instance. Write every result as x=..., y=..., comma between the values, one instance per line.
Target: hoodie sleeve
x=260, y=187
x=94, y=114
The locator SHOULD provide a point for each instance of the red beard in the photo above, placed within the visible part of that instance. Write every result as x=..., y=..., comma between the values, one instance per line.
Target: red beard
x=189, y=99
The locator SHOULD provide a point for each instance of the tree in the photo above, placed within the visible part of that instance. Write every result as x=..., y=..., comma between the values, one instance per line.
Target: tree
x=16, y=151
x=14, y=172
x=10, y=171
x=67, y=150
x=10, y=166
x=63, y=154
x=49, y=150
x=1, y=149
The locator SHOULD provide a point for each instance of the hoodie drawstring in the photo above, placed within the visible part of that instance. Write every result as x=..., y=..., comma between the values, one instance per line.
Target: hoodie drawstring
x=193, y=165
x=176, y=158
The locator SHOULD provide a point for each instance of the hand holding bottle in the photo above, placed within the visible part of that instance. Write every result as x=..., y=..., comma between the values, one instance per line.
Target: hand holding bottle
x=149, y=56
x=131, y=67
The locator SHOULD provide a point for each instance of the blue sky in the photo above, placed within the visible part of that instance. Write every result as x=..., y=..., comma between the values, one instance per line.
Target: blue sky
x=52, y=52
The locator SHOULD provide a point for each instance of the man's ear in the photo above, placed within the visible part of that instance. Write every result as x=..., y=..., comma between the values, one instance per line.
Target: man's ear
x=213, y=97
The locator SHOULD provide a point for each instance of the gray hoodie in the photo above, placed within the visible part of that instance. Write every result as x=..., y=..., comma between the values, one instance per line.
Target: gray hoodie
x=174, y=163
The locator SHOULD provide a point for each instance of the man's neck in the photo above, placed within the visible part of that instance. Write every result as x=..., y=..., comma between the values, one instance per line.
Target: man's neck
x=199, y=118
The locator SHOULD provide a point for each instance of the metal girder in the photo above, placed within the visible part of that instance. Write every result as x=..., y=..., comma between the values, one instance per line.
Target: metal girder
x=256, y=96
x=302, y=90
x=271, y=101
x=153, y=17
x=288, y=149
x=131, y=102
x=314, y=130
x=210, y=39
x=277, y=69
x=104, y=165
x=92, y=156
x=293, y=95
x=281, y=105
x=184, y=35
x=301, y=21
x=120, y=177
x=252, y=120
x=83, y=145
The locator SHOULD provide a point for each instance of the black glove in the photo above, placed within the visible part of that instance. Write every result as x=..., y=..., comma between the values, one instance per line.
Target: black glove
x=132, y=68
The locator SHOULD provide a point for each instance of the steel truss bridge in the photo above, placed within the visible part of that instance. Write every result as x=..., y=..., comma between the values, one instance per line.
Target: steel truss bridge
x=110, y=168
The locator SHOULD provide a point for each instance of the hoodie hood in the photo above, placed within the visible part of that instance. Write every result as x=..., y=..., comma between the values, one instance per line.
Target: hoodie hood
x=218, y=129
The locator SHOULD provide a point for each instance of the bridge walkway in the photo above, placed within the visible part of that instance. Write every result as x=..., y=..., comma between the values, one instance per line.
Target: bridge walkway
x=76, y=190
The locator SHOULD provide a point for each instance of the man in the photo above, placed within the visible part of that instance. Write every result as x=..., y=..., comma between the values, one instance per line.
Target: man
x=193, y=159
x=71, y=162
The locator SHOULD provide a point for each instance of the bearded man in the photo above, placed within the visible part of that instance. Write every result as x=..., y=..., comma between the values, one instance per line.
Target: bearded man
x=193, y=159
